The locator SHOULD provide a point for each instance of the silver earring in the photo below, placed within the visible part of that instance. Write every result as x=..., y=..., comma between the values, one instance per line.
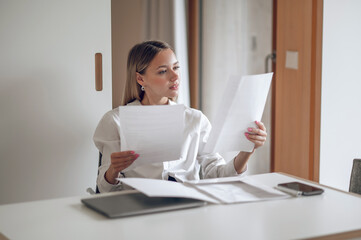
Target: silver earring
x=142, y=88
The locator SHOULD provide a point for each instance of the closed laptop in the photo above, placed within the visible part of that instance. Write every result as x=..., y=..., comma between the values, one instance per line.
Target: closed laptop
x=136, y=203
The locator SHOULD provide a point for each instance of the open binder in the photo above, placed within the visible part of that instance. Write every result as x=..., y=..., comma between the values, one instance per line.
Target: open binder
x=219, y=190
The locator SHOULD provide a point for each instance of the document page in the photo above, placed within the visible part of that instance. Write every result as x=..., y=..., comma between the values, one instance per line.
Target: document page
x=163, y=188
x=242, y=104
x=153, y=132
x=245, y=190
x=219, y=190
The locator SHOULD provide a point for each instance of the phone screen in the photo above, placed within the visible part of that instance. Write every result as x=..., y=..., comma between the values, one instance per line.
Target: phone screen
x=304, y=188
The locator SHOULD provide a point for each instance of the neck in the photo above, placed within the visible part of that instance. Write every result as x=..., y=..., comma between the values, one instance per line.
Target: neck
x=154, y=101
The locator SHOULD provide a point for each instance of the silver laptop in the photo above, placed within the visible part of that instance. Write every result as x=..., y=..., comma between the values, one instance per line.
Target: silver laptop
x=136, y=203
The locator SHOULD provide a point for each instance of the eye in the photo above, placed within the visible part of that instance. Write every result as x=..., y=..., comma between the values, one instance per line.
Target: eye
x=162, y=72
x=176, y=67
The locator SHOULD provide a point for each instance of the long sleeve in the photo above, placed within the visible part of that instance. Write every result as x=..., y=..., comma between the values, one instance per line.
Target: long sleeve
x=106, y=139
x=187, y=167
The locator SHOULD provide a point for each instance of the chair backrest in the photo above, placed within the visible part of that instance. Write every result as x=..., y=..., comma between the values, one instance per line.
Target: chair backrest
x=99, y=164
x=355, y=180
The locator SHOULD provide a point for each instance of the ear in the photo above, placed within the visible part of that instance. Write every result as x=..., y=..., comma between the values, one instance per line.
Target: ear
x=139, y=78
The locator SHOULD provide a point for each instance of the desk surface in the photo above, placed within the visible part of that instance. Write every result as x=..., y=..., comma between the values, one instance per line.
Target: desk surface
x=305, y=217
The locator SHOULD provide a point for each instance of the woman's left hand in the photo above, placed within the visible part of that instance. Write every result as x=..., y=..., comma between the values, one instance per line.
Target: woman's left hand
x=257, y=135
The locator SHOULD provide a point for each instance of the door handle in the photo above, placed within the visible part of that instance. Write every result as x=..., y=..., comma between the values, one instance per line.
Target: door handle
x=271, y=56
x=98, y=72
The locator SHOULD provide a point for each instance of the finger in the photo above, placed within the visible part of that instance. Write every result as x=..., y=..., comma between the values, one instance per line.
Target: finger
x=256, y=137
x=255, y=131
x=124, y=159
x=122, y=164
x=261, y=125
x=122, y=154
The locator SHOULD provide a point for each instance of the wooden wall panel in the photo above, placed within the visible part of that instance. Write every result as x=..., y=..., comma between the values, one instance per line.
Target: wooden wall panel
x=296, y=90
x=127, y=30
x=316, y=78
x=193, y=51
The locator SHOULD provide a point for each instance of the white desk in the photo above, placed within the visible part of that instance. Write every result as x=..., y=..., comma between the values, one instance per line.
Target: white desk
x=305, y=217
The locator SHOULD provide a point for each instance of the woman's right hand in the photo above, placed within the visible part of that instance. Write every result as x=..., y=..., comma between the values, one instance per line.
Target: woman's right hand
x=119, y=161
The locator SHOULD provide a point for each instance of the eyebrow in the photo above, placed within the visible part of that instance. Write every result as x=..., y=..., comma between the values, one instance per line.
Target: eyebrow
x=166, y=65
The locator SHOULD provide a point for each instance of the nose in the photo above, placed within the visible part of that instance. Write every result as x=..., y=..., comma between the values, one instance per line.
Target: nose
x=174, y=76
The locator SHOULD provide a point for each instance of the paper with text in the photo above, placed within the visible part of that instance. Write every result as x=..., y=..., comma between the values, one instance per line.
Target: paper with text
x=242, y=104
x=222, y=190
x=244, y=190
x=153, y=132
x=162, y=188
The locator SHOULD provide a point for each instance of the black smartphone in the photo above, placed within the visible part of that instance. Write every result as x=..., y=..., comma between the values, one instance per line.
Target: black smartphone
x=300, y=188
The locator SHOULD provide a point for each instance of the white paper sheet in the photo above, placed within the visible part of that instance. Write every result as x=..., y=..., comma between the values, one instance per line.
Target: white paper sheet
x=162, y=188
x=245, y=190
x=216, y=180
x=153, y=132
x=221, y=190
x=242, y=103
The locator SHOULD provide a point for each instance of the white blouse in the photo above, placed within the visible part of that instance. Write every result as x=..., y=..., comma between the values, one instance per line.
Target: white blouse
x=192, y=165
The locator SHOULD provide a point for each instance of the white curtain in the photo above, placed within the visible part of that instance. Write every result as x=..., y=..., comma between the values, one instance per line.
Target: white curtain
x=223, y=48
x=166, y=20
x=236, y=37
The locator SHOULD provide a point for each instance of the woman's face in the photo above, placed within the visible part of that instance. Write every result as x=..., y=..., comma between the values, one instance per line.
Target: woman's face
x=161, y=78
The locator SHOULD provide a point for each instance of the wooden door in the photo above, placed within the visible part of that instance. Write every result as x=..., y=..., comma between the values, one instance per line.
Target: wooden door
x=296, y=105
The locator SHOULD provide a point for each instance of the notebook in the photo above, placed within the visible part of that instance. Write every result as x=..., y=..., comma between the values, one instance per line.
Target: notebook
x=130, y=204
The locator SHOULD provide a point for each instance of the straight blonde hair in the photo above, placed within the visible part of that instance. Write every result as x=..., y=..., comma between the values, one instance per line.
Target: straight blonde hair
x=139, y=58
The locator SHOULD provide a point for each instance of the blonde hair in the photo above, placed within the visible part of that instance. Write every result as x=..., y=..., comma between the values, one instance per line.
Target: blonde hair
x=139, y=58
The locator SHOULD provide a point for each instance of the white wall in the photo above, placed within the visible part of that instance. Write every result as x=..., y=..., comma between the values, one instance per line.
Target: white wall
x=341, y=91
x=237, y=36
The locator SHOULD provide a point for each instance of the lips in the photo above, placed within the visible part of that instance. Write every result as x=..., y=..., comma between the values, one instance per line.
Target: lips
x=174, y=86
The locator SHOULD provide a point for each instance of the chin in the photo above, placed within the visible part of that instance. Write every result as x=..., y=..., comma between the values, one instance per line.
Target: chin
x=173, y=95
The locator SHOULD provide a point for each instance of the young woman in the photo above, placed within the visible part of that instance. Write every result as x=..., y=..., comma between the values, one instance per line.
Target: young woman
x=153, y=79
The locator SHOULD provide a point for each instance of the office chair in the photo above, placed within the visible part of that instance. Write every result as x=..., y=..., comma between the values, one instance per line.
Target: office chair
x=90, y=190
x=99, y=164
x=355, y=180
